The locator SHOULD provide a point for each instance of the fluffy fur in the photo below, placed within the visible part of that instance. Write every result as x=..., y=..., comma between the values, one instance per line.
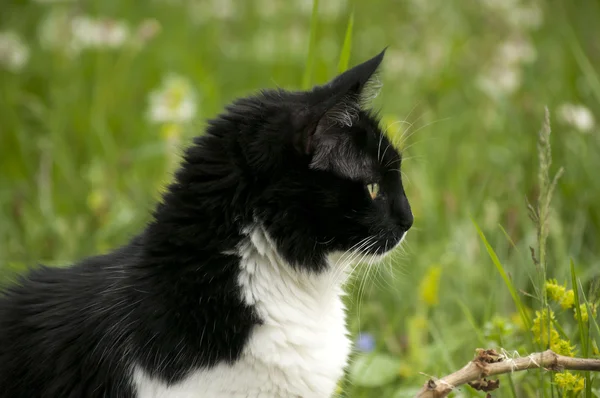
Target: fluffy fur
x=234, y=287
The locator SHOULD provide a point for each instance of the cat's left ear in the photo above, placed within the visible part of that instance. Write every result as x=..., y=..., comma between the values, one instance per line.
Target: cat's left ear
x=339, y=101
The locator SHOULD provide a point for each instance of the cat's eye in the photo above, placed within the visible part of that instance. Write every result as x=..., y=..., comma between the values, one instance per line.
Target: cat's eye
x=373, y=190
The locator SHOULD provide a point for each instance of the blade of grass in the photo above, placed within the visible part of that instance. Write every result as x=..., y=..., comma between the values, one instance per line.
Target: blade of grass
x=507, y=281
x=510, y=240
x=588, y=375
x=312, y=46
x=347, y=46
x=583, y=61
x=469, y=316
x=596, y=327
x=583, y=330
x=580, y=324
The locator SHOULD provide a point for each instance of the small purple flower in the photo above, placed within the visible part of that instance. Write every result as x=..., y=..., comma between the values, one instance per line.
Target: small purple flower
x=365, y=342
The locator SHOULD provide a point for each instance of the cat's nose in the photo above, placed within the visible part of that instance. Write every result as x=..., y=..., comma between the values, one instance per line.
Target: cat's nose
x=407, y=220
x=403, y=214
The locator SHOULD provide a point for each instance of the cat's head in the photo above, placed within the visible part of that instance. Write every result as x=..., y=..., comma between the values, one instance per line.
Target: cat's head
x=315, y=171
x=328, y=179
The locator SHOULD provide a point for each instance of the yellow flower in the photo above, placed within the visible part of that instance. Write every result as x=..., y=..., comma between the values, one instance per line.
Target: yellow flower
x=430, y=285
x=561, y=347
x=584, y=312
x=540, y=327
x=568, y=299
x=569, y=382
x=560, y=294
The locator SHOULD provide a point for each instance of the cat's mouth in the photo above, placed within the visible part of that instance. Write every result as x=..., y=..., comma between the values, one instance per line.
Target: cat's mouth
x=371, y=250
x=384, y=246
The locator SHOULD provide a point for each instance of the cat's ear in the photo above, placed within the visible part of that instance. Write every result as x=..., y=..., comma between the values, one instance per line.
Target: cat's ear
x=355, y=84
x=339, y=101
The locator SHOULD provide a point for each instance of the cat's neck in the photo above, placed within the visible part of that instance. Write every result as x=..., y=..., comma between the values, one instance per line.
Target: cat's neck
x=263, y=271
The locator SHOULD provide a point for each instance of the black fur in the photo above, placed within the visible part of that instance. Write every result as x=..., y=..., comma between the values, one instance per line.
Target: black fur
x=296, y=162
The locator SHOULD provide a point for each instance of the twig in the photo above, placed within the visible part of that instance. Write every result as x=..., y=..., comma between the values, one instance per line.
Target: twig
x=489, y=363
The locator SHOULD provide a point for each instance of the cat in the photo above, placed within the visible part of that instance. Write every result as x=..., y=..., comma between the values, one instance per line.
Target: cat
x=234, y=287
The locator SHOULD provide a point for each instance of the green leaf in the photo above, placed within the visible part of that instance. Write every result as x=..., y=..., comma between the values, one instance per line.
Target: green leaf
x=580, y=322
x=583, y=328
x=347, y=46
x=507, y=281
x=312, y=46
x=374, y=370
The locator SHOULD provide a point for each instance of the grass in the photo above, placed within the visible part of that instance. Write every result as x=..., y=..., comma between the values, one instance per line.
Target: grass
x=81, y=164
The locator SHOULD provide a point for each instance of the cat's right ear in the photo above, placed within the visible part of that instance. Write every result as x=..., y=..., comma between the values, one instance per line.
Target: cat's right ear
x=336, y=102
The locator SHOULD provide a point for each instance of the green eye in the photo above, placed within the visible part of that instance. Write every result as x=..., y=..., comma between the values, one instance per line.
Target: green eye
x=373, y=190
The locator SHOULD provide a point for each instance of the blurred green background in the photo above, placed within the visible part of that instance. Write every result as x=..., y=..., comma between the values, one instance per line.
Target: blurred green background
x=98, y=97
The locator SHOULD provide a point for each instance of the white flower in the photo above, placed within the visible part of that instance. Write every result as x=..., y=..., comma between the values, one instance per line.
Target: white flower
x=113, y=33
x=14, y=53
x=98, y=33
x=504, y=74
x=174, y=102
x=526, y=16
x=577, y=116
x=55, y=32
x=61, y=31
x=517, y=51
x=500, y=80
x=147, y=30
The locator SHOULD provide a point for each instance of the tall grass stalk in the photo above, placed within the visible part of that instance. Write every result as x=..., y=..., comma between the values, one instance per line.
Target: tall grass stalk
x=312, y=46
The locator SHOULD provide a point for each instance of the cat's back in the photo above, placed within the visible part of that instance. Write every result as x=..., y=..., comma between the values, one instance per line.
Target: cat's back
x=52, y=333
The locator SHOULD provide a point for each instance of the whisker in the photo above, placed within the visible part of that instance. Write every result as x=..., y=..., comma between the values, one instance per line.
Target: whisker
x=421, y=128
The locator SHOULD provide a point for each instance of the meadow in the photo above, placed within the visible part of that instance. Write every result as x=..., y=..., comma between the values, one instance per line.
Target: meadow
x=98, y=97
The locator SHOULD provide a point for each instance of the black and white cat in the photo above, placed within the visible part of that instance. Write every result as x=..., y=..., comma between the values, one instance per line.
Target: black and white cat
x=234, y=288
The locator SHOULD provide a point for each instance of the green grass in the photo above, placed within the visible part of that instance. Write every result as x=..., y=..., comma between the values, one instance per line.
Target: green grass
x=81, y=165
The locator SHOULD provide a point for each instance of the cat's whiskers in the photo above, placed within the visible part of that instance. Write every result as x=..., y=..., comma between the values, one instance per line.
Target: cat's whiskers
x=405, y=121
x=408, y=133
x=356, y=265
x=361, y=287
x=421, y=128
x=379, y=147
x=413, y=109
x=390, y=143
x=340, y=266
x=387, y=266
x=406, y=158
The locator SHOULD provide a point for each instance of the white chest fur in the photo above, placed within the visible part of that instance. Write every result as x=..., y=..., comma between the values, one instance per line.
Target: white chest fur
x=300, y=350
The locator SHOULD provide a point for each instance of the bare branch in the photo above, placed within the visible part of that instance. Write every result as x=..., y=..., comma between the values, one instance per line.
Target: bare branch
x=489, y=363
